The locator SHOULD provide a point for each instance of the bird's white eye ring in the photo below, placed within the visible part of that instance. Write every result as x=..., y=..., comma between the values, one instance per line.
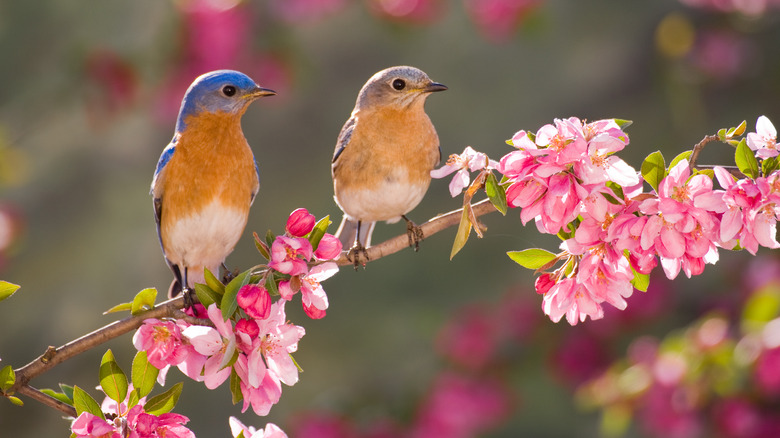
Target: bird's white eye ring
x=229, y=90
x=399, y=84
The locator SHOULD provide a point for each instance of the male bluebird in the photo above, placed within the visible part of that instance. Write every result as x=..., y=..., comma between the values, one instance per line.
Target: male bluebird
x=206, y=178
x=384, y=155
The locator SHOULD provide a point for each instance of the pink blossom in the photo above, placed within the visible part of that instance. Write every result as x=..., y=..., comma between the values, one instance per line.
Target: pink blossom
x=218, y=345
x=271, y=430
x=766, y=372
x=91, y=426
x=469, y=161
x=162, y=342
x=300, y=223
x=313, y=296
x=249, y=327
x=470, y=338
x=254, y=300
x=415, y=11
x=264, y=393
x=278, y=340
x=499, y=19
x=289, y=255
x=167, y=425
x=764, y=140
x=329, y=247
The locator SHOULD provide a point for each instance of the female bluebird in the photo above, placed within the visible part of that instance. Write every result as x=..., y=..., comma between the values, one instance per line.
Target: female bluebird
x=384, y=155
x=206, y=178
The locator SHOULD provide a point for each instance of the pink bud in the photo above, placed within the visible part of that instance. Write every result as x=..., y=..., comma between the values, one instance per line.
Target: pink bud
x=255, y=300
x=248, y=326
x=329, y=247
x=313, y=312
x=300, y=223
x=543, y=284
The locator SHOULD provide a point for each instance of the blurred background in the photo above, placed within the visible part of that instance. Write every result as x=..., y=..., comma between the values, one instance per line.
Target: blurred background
x=415, y=344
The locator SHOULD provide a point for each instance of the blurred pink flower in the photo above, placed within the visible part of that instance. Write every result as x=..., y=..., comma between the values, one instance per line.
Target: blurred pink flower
x=767, y=372
x=499, y=19
x=470, y=337
x=412, y=11
x=299, y=11
x=322, y=425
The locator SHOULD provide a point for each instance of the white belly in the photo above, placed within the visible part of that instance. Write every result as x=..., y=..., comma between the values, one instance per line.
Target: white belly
x=384, y=203
x=204, y=239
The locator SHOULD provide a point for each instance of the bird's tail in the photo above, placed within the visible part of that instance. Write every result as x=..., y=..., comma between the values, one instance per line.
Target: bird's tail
x=348, y=229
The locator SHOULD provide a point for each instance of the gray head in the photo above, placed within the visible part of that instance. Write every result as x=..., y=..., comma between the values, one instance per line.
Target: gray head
x=226, y=91
x=400, y=87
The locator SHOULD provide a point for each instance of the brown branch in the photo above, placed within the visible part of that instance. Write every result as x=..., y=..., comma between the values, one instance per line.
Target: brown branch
x=51, y=402
x=54, y=356
x=698, y=148
x=429, y=228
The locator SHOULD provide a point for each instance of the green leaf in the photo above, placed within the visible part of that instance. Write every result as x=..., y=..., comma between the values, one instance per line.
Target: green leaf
x=235, y=387
x=214, y=283
x=67, y=390
x=15, y=400
x=261, y=247
x=7, y=289
x=240, y=434
x=640, y=281
x=769, y=165
x=623, y=124
x=683, y=156
x=133, y=398
x=143, y=301
x=269, y=238
x=57, y=396
x=709, y=172
x=229, y=303
x=112, y=379
x=739, y=130
x=496, y=193
x=746, y=160
x=165, y=402
x=7, y=378
x=533, y=258
x=84, y=402
x=270, y=284
x=119, y=308
x=319, y=230
x=654, y=169
x=143, y=374
x=464, y=229
x=206, y=295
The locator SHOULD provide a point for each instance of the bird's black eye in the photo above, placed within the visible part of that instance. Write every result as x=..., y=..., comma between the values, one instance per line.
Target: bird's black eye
x=229, y=90
x=399, y=84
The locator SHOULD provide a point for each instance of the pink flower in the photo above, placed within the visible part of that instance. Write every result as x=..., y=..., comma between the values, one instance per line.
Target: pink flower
x=469, y=161
x=92, y=426
x=313, y=297
x=261, y=390
x=764, y=140
x=249, y=327
x=218, y=345
x=766, y=372
x=254, y=300
x=289, y=255
x=278, y=340
x=300, y=223
x=167, y=425
x=329, y=247
x=499, y=19
x=271, y=430
x=162, y=342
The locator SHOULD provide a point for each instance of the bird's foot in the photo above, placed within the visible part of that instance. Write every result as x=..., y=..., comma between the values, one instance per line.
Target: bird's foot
x=354, y=255
x=414, y=233
x=228, y=275
x=190, y=301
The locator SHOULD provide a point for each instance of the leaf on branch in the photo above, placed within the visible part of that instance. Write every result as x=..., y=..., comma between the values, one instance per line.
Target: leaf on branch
x=57, y=396
x=7, y=289
x=7, y=378
x=214, y=283
x=112, y=379
x=235, y=387
x=270, y=284
x=84, y=402
x=229, y=302
x=533, y=258
x=737, y=131
x=165, y=402
x=123, y=307
x=143, y=301
x=769, y=165
x=654, y=169
x=623, y=124
x=464, y=230
x=496, y=193
x=318, y=231
x=206, y=295
x=261, y=246
x=640, y=281
x=746, y=160
x=269, y=238
x=15, y=400
x=143, y=375
x=682, y=156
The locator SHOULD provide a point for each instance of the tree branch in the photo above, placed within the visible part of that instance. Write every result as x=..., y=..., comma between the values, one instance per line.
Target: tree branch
x=429, y=228
x=51, y=402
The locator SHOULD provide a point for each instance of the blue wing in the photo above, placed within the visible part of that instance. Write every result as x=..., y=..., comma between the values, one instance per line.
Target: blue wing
x=344, y=136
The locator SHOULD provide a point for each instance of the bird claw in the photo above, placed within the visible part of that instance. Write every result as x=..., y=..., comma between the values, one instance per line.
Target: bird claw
x=189, y=300
x=353, y=255
x=414, y=233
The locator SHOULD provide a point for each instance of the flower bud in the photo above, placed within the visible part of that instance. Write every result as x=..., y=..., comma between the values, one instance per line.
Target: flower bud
x=329, y=247
x=255, y=300
x=300, y=223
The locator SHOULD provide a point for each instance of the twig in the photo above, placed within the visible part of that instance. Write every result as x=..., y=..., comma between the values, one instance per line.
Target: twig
x=429, y=228
x=698, y=148
x=51, y=402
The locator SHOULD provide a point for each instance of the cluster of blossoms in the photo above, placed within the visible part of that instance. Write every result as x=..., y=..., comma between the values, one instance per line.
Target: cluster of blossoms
x=253, y=343
x=566, y=178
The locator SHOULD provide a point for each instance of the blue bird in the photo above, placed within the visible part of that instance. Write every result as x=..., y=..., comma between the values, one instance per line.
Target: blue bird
x=206, y=178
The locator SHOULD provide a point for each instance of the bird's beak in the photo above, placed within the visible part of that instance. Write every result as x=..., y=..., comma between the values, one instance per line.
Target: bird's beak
x=434, y=86
x=261, y=92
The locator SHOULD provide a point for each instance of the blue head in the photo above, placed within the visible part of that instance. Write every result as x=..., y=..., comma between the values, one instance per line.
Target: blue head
x=225, y=91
